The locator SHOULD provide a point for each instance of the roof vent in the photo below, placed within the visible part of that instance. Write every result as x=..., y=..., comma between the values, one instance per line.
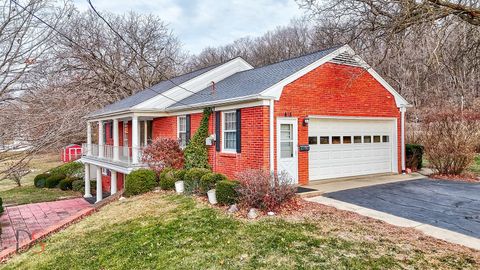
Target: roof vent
x=345, y=59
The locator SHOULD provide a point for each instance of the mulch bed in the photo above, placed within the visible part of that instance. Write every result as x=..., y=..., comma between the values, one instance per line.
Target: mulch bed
x=470, y=178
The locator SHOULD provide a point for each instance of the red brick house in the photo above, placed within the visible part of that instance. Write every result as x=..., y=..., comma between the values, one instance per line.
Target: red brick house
x=318, y=116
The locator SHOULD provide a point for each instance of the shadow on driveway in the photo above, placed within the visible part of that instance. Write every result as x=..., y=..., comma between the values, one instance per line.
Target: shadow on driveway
x=446, y=204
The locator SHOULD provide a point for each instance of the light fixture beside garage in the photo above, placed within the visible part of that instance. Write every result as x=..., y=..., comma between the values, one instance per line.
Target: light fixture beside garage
x=305, y=121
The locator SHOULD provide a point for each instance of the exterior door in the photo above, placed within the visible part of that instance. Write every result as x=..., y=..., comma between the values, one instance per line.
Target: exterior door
x=287, y=147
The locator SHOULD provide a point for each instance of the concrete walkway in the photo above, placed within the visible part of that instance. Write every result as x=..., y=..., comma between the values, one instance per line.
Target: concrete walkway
x=320, y=187
x=38, y=219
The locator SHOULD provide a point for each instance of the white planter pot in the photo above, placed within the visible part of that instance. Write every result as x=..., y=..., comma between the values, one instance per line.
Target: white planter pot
x=212, y=196
x=179, y=187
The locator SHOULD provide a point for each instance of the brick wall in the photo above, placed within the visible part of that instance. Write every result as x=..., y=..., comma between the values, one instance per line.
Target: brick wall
x=334, y=90
x=254, y=152
x=107, y=181
x=164, y=127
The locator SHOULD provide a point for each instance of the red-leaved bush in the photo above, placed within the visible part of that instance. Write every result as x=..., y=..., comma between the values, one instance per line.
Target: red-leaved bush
x=163, y=153
x=260, y=189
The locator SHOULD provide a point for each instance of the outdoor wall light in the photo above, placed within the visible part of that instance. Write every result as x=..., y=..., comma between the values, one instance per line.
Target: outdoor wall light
x=305, y=121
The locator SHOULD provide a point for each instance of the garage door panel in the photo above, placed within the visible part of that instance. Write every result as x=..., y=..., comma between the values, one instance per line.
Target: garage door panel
x=349, y=159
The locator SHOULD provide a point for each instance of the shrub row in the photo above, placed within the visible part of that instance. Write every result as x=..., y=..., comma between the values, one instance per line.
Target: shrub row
x=62, y=176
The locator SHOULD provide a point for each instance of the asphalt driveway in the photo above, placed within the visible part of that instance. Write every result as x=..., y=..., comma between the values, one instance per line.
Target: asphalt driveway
x=446, y=204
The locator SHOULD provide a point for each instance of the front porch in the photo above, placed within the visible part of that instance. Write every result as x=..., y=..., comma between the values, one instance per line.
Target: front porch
x=116, y=151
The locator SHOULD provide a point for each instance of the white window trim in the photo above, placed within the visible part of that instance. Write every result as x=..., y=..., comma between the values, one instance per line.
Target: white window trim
x=178, y=128
x=222, y=133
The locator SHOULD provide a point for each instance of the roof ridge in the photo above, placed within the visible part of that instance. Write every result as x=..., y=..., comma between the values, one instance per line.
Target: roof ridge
x=303, y=55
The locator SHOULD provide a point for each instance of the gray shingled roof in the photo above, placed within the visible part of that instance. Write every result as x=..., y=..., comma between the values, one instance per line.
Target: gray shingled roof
x=253, y=81
x=151, y=92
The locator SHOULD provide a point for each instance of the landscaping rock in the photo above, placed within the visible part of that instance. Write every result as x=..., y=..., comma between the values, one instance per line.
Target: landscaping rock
x=233, y=208
x=271, y=213
x=121, y=198
x=252, y=214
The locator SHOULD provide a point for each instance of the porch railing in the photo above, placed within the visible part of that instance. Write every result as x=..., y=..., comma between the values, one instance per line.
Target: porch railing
x=120, y=154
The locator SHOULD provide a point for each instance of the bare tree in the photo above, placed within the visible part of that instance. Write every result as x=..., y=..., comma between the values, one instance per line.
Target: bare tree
x=85, y=67
x=23, y=40
x=282, y=43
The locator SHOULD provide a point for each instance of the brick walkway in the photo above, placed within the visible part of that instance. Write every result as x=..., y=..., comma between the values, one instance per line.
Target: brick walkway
x=37, y=218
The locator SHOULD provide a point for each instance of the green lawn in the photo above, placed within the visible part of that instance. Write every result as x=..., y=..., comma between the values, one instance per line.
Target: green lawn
x=27, y=193
x=156, y=231
x=31, y=194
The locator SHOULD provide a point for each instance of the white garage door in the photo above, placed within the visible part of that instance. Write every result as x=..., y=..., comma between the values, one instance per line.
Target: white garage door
x=350, y=147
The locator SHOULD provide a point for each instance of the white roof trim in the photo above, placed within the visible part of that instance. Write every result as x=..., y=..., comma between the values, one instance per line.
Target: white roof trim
x=196, y=84
x=276, y=90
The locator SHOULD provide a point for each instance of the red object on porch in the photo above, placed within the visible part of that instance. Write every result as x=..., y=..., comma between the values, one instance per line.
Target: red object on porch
x=71, y=152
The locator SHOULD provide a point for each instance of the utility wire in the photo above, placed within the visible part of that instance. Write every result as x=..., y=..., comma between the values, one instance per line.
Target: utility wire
x=92, y=53
x=133, y=49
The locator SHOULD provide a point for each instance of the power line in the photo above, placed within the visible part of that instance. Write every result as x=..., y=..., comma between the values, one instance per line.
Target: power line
x=88, y=50
x=133, y=49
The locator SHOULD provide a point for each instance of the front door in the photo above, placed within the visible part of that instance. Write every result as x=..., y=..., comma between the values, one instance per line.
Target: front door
x=287, y=147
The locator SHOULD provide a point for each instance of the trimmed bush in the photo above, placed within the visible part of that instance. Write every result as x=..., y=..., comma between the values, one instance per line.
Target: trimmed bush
x=209, y=180
x=66, y=184
x=53, y=180
x=192, y=179
x=140, y=181
x=414, y=156
x=78, y=185
x=71, y=169
x=167, y=179
x=180, y=174
x=226, y=191
x=40, y=180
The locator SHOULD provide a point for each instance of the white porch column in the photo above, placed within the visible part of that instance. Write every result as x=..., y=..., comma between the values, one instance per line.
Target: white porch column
x=99, y=184
x=100, y=139
x=88, y=192
x=89, y=138
x=113, y=183
x=116, y=142
x=402, y=120
x=135, y=139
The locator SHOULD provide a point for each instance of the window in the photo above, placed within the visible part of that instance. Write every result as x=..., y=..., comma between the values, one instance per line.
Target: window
x=312, y=140
x=182, y=131
x=324, y=140
x=106, y=172
x=229, y=131
x=145, y=132
x=367, y=139
x=385, y=138
x=347, y=139
x=336, y=140
x=376, y=139
x=357, y=139
x=286, y=140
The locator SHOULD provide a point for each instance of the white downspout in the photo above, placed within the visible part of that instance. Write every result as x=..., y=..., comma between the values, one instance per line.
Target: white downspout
x=403, y=109
x=272, y=134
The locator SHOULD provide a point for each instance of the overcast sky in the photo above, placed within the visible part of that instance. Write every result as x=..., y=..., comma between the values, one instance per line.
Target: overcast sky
x=202, y=23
